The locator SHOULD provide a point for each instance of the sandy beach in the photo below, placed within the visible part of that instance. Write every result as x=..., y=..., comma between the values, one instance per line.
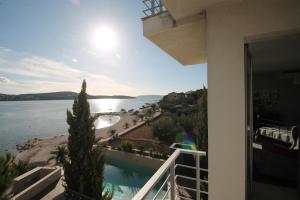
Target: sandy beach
x=39, y=151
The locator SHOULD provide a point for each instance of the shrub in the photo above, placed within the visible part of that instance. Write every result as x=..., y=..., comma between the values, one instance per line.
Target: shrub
x=154, y=107
x=156, y=141
x=134, y=121
x=136, y=112
x=165, y=129
x=164, y=156
x=103, y=144
x=151, y=152
x=141, y=116
x=126, y=146
x=126, y=125
x=59, y=155
x=9, y=169
x=149, y=113
x=142, y=149
x=112, y=131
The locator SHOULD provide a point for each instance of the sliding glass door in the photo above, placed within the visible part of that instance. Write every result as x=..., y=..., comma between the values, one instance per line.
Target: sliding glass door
x=249, y=122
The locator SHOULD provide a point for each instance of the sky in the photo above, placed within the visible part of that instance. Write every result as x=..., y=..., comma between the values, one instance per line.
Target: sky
x=52, y=45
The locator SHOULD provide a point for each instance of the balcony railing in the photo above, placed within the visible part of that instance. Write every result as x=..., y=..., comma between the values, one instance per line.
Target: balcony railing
x=153, y=7
x=180, y=177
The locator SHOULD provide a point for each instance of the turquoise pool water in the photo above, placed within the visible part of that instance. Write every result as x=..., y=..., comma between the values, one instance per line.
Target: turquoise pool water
x=127, y=178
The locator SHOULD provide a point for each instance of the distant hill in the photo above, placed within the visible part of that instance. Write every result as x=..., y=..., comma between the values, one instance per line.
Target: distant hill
x=150, y=96
x=55, y=96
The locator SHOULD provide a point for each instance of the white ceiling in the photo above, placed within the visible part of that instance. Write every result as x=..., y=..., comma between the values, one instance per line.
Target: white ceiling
x=276, y=55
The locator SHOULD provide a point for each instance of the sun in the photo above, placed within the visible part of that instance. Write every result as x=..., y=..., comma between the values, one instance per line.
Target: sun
x=104, y=38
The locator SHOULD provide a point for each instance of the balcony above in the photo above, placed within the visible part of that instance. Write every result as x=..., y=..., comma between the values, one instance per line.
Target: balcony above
x=184, y=39
x=180, y=9
x=153, y=7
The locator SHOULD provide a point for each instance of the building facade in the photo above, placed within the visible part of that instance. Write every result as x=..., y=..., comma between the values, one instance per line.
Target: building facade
x=217, y=32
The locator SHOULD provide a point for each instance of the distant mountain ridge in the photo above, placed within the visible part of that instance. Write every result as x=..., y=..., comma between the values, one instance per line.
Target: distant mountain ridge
x=55, y=96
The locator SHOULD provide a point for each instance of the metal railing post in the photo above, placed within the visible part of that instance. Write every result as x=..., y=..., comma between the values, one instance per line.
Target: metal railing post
x=169, y=169
x=172, y=181
x=152, y=7
x=198, y=176
x=160, y=6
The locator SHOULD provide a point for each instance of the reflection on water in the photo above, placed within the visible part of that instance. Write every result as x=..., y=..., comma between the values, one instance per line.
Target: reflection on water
x=104, y=105
x=106, y=121
x=126, y=177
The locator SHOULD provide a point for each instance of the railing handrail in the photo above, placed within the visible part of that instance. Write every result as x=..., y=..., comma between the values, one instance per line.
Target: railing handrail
x=153, y=7
x=162, y=170
x=156, y=177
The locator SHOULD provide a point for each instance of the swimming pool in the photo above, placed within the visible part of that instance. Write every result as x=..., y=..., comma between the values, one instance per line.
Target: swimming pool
x=128, y=178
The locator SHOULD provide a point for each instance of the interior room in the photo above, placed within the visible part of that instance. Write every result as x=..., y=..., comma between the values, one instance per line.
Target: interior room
x=274, y=109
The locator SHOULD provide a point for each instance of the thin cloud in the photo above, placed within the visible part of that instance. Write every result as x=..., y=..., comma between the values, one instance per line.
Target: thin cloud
x=75, y=2
x=58, y=76
x=4, y=80
x=43, y=68
x=4, y=50
x=98, y=85
x=2, y=61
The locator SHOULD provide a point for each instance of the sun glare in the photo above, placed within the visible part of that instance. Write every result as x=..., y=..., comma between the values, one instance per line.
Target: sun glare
x=104, y=38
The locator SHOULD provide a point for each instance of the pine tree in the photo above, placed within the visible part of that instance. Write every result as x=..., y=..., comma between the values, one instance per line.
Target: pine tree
x=84, y=167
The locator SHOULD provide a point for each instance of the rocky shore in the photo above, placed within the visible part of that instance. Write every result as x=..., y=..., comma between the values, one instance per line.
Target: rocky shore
x=28, y=144
x=38, y=151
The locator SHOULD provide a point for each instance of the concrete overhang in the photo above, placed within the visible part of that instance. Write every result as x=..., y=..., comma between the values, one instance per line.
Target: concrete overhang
x=185, y=8
x=184, y=40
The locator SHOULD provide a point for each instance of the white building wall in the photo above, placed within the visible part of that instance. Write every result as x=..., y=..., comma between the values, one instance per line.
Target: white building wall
x=228, y=27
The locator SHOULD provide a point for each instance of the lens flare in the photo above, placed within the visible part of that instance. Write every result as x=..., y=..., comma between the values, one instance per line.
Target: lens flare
x=188, y=142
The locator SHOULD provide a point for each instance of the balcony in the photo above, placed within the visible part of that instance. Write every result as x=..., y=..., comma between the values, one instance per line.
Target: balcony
x=182, y=176
x=184, y=39
x=153, y=8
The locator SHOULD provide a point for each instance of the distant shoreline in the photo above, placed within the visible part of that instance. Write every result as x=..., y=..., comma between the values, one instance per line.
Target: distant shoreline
x=56, y=96
x=67, y=99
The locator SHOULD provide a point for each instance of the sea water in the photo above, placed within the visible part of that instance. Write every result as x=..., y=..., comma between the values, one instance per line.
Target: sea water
x=24, y=120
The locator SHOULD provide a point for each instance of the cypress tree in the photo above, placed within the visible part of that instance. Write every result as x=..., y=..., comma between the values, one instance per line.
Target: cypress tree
x=84, y=168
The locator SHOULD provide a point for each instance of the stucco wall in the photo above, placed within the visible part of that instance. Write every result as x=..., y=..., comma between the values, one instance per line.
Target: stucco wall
x=227, y=30
x=142, y=132
x=37, y=187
